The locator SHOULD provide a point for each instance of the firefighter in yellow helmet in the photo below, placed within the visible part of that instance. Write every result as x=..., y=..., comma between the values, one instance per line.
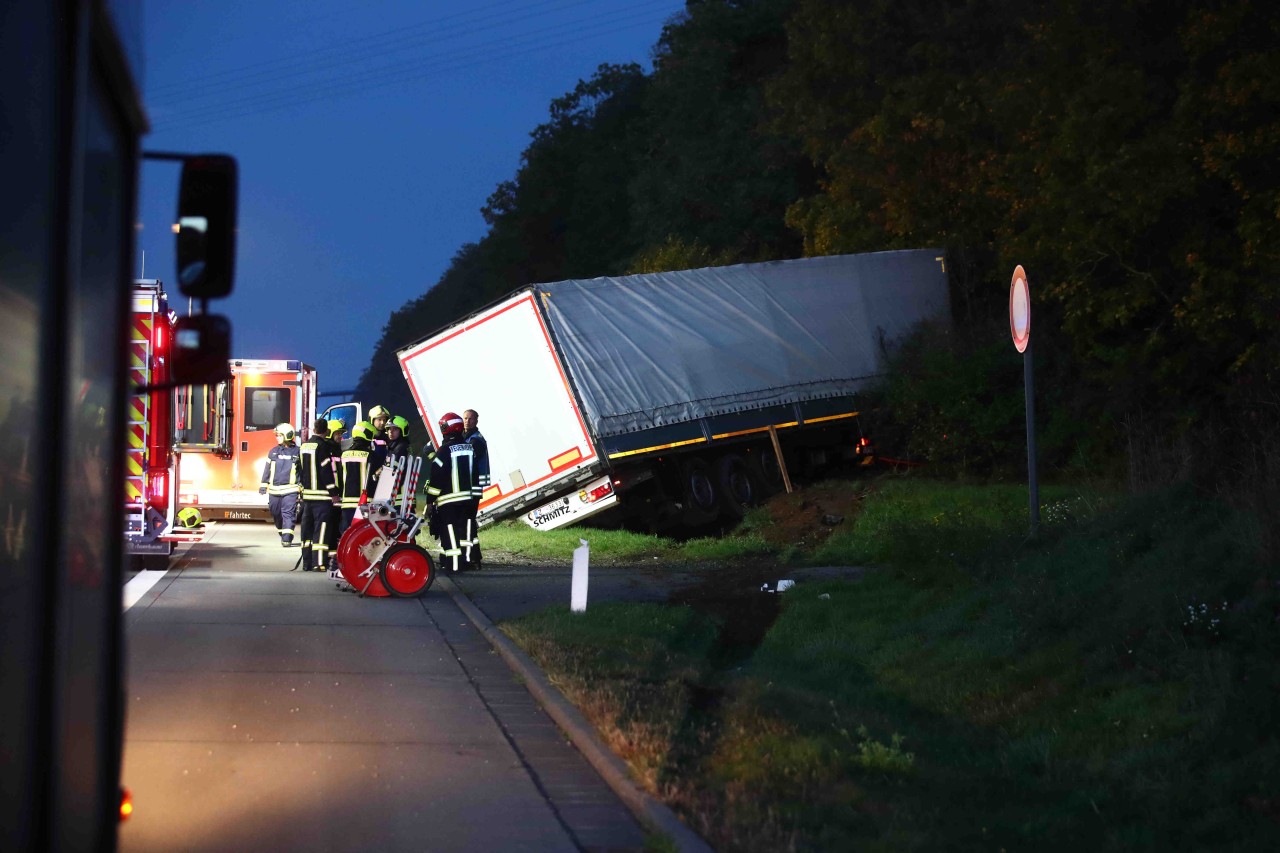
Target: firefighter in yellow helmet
x=398, y=447
x=355, y=471
x=336, y=430
x=334, y=526
x=319, y=491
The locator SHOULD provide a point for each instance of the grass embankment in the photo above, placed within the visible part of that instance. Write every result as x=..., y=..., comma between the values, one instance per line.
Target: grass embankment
x=1114, y=684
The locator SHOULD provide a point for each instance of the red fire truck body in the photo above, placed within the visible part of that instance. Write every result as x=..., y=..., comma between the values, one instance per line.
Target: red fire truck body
x=151, y=469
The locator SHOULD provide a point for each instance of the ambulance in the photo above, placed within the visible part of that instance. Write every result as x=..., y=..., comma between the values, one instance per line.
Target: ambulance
x=151, y=467
x=225, y=432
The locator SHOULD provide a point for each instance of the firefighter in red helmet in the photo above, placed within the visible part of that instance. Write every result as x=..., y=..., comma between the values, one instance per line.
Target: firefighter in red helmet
x=450, y=487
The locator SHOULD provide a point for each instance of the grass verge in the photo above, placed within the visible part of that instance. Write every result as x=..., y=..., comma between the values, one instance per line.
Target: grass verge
x=1112, y=684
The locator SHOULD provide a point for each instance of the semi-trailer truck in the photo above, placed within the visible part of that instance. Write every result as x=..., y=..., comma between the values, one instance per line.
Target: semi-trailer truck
x=680, y=397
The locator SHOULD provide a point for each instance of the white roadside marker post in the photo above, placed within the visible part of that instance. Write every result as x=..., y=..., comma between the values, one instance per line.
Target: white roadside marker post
x=578, y=592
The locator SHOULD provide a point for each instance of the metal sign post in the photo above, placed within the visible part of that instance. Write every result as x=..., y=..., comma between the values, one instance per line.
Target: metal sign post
x=1020, y=328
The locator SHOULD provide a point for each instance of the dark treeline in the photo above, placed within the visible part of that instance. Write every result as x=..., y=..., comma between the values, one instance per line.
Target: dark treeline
x=1125, y=153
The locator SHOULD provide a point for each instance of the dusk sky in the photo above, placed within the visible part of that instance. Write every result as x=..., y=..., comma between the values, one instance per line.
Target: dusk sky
x=369, y=135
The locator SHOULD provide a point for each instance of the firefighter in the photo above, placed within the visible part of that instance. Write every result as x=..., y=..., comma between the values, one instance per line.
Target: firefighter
x=398, y=447
x=280, y=482
x=334, y=527
x=319, y=490
x=336, y=429
x=480, y=447
x=355, y=471
x=379, y=416
x=450, y=487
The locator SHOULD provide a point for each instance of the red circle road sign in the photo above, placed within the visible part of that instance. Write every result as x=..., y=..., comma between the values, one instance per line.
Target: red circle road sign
x=1020, y=310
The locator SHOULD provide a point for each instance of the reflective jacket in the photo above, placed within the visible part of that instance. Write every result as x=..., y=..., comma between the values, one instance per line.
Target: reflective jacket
x=316, y=470
x=280, y=474
x=335, y=462
x=355, y=470
x=480, y=448
x=452, y=479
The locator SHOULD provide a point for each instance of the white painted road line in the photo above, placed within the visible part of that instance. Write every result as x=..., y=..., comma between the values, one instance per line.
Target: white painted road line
x=138, y=587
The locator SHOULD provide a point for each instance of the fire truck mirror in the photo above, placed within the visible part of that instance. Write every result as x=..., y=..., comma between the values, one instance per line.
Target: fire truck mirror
x=201, y=349
x=206, y=226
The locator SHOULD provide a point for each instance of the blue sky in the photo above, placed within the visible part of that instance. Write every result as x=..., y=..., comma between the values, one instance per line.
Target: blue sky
x=369, y=135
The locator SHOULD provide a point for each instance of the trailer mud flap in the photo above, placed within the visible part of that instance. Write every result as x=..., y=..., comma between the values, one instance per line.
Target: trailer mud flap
x=594, y=497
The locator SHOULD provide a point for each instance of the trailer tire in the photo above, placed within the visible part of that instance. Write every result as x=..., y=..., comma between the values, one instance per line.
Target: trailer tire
x=700, y=498
x=768, y=473
x=736, y=485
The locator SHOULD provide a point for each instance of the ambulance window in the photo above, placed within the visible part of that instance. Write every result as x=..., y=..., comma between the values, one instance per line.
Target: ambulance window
x=265, y=407
x=199, y=417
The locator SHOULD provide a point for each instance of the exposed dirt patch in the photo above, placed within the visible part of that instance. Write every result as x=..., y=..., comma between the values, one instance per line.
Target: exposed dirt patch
x=733, y=593
x=806, y=517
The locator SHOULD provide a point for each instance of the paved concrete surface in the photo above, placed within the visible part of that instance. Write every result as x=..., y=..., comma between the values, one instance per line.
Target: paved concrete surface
x=268, y=711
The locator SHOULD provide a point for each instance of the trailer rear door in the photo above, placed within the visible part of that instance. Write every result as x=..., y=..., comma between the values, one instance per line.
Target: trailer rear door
x=501, y=363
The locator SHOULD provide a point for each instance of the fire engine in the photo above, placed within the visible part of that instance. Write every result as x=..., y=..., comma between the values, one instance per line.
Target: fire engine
x=151, y=471
x=225, y=432
x=70, y=86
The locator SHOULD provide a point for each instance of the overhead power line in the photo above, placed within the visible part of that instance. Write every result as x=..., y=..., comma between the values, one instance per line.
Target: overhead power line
x=352, y=51
x=338, y=86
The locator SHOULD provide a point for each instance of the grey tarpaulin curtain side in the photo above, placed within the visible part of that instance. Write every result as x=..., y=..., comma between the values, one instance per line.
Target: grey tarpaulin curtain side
x=663, y=348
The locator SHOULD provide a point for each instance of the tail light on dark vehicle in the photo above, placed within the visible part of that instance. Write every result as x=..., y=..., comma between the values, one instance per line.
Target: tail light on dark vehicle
x=601, y=491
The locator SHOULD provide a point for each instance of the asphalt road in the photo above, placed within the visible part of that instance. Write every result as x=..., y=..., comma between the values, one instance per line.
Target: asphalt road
x=268, y=711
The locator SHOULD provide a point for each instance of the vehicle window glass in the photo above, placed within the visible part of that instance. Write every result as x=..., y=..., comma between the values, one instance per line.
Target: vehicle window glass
x=345, y=412
x=265, y=407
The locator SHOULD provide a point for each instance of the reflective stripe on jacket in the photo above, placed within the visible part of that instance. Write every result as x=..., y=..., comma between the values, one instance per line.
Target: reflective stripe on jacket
x=355, y=469
x=280, y=474
x=316, y=471
x=452, y=479
x=480, y=448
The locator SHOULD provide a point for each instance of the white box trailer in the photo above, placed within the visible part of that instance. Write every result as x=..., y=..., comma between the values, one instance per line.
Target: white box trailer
x=672, y=392
x=501, y=362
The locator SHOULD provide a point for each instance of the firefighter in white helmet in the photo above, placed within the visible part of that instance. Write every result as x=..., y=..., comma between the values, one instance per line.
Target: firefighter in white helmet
x=280, y=482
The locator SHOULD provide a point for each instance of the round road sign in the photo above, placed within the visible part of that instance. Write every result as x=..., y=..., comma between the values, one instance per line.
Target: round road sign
x=1020, y=310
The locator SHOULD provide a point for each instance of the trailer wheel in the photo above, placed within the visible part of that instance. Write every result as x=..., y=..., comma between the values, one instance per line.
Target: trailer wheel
x=736, y=486
x=701, y=502
x=768, y=473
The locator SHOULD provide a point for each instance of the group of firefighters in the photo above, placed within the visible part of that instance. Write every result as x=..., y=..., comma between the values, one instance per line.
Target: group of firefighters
x=319, y=486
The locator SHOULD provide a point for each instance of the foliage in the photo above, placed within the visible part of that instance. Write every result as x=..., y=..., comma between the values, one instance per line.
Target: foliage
x=613, y=546
x=1123, y=153
x=978, y=690
x=1082, y=141
x=715, y=173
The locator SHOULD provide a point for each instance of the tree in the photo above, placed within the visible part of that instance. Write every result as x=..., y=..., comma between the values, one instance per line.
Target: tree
x=714, y=171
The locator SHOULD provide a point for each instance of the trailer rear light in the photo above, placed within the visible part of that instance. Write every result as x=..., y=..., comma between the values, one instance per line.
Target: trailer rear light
x=601, y=491
x=126, y=804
